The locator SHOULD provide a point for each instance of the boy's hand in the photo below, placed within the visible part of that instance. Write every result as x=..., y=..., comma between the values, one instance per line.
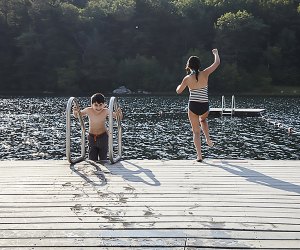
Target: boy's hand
x=76, y=111
x=119, y=113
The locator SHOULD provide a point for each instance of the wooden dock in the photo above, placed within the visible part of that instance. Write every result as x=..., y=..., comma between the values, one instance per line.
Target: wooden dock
x=150, y=204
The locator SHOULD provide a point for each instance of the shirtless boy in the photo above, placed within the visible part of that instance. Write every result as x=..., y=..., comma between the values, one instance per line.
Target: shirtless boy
x=98, y=134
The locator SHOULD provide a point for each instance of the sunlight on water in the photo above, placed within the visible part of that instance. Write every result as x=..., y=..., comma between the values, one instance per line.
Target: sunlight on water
x=153, y=128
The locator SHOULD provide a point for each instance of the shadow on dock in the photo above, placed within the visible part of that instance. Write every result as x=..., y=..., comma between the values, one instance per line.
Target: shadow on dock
x=257, y=177
x=133, y=173
x=91, y=172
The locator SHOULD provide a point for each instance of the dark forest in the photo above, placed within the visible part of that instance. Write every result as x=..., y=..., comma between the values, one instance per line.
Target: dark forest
x=82, y=46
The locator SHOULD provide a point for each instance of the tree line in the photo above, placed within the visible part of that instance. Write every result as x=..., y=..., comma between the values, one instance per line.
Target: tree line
x=83, y=46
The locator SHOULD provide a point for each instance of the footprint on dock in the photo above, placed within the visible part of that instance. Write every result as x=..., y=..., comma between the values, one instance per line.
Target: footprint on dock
x=148, y=213
x=129, y=188
x=67, y=184
x=76, y=208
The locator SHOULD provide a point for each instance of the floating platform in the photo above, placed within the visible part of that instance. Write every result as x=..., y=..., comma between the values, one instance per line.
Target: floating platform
x=150, y=204
x=217, y=112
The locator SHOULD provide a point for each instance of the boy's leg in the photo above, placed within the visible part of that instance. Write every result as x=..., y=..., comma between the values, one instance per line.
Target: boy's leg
x=103, y=146
x=93, y=149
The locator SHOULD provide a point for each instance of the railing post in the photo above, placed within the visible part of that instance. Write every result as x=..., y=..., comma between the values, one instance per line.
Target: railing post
x=68, y=132
x=223, y=105
x=113, y=107
x=232, y=105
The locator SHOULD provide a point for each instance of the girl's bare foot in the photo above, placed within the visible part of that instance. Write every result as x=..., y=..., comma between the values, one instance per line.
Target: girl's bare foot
x=210, y=143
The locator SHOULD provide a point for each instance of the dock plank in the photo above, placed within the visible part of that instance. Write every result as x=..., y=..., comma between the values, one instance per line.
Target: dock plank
x=150, y=204
x=216, y=112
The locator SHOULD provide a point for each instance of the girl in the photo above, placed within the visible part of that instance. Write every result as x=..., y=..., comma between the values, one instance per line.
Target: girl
x=198, y=108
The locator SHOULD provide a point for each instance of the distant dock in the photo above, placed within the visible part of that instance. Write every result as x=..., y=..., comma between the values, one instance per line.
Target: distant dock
x=150, y=204
x=233, y=111
x=217, y=112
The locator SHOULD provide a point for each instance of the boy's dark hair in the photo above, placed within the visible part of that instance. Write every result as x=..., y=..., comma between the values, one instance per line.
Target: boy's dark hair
x=98, y=98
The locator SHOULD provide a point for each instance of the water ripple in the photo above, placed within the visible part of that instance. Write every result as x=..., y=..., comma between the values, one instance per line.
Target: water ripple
x=153, y=128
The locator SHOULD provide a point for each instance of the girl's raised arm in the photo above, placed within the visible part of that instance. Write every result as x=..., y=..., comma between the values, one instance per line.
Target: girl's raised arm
x=215, y=64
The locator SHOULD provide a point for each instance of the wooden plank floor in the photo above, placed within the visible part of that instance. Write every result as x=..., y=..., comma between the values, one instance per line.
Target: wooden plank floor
x=150, y=204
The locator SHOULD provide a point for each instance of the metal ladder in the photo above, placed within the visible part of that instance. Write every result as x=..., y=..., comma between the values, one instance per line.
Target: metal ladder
x=68, y=132
x=223, y=109
x=113, y=106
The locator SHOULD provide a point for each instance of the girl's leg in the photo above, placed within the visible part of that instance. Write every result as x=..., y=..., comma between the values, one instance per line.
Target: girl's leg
x=204, y=126
x=194, y=120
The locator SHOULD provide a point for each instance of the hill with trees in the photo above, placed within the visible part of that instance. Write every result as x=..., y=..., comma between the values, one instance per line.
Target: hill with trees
x=83, y=46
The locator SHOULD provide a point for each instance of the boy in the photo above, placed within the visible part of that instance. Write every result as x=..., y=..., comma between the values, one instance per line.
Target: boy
x=98, y=135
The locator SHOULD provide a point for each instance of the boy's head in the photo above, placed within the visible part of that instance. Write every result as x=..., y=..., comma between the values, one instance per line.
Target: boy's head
x=97, y=98
x=97, y=102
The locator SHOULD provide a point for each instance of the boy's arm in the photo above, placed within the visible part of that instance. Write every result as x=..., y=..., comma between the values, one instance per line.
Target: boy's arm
x=77, y=111
x=118, y=112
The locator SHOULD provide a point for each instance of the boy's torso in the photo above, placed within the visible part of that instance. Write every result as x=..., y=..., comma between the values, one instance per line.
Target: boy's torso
x=97, y=121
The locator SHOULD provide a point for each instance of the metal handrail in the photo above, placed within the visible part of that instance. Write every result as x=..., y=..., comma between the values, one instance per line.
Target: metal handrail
x=232, y=105
x=223, y=105
x=223, y=108
x=68, y=132
x=113, y=107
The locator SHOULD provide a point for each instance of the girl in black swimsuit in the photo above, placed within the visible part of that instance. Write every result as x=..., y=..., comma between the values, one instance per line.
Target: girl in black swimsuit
x=197, y=82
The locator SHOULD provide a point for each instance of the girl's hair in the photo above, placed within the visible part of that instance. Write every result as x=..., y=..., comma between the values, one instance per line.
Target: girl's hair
x=98, y=98
x=193, y=66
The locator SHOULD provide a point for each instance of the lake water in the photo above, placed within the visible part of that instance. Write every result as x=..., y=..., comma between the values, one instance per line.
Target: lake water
x=154, y=127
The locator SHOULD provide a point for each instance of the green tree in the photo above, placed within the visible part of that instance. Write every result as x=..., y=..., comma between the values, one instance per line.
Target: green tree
x=85, y=45
x=241, y=37
x=140, y=73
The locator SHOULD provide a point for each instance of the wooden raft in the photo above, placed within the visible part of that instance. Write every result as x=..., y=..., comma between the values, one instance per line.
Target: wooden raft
x=217, y=112
x=139, y=204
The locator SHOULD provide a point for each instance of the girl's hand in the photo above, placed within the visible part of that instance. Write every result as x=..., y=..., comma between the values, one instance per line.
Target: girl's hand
x=215, y=51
